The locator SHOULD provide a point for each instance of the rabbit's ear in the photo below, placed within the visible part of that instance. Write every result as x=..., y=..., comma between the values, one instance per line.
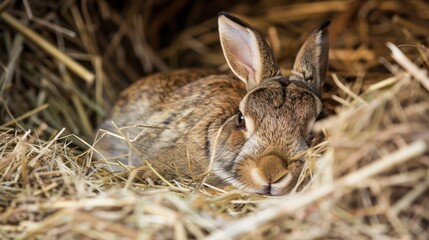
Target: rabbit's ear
x=247, y=53
x=311, y=63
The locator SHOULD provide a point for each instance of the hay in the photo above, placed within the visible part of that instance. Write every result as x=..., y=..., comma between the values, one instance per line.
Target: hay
x=370, y=177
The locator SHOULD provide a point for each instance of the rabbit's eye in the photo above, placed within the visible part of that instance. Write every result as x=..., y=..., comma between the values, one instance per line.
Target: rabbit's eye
x=241, y=122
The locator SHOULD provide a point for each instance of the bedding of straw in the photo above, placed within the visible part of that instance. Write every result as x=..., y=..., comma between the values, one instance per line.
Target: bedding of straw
x=64, y=62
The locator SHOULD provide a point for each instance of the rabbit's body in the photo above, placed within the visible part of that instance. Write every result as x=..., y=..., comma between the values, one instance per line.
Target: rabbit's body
x=168, y=142
x=249, y=128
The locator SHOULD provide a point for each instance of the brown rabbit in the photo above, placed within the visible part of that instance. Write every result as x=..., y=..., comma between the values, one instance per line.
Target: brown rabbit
x=246, y=129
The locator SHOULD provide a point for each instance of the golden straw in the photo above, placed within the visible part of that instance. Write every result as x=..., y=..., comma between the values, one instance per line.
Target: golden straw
x=49, y=48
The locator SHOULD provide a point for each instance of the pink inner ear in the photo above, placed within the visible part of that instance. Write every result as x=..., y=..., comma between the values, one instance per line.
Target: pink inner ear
x=241, y=50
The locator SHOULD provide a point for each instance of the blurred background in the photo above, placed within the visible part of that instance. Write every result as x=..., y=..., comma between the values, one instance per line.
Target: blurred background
x=123, y=41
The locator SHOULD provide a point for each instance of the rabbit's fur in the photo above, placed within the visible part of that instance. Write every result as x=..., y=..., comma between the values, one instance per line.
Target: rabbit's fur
x=246, y=129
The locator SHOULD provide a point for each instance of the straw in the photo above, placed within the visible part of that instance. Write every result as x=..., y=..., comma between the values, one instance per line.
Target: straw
x=49, y=48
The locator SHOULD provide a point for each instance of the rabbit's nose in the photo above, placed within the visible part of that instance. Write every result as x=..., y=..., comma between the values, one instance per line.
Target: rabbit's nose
x=272, y=168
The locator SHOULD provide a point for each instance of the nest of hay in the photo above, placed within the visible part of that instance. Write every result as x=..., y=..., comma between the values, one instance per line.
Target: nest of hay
x=371, y=175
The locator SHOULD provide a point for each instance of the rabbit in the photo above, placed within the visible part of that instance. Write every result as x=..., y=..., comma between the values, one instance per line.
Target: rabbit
x=245, y=128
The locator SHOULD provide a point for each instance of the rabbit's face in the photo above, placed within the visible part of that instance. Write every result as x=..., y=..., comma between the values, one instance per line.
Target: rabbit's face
x=258, y=148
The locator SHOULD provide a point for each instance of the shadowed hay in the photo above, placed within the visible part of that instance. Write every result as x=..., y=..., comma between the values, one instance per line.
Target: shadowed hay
x=370, y=177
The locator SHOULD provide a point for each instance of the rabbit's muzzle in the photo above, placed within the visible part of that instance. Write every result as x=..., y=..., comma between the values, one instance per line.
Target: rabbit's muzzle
x=270, y=175
x=271, y=168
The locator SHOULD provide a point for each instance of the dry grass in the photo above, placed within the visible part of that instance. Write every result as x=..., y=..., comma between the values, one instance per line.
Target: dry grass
x=58, y=79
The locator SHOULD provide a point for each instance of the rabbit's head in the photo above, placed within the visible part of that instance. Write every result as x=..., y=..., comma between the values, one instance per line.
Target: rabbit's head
x=258, y=148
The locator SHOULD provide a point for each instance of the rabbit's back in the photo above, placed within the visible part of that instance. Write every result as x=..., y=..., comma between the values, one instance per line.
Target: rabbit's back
x=142, y=96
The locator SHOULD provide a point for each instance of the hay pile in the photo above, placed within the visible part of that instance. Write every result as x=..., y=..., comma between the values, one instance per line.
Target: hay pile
x=371, y=175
